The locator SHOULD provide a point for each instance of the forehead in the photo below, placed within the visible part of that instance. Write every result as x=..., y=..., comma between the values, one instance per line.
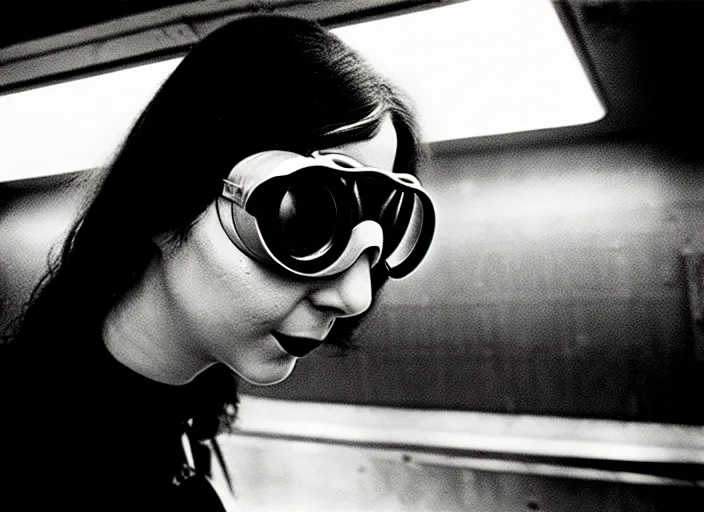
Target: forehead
x=379, y=151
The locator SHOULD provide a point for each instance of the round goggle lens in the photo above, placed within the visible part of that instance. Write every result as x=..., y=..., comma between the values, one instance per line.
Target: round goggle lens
x=307, y=218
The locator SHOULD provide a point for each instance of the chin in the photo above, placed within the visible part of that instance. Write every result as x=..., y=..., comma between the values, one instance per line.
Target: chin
x=268, y=376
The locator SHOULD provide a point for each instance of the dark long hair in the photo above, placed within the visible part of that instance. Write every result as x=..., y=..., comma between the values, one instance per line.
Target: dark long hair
x=258, y=83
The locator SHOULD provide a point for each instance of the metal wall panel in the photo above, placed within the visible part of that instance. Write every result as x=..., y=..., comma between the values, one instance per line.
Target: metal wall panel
x=556, y=286
x=272, y=475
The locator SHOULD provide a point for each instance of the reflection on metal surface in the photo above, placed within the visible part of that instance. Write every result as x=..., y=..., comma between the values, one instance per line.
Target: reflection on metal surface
x=473, y=432
x=345, y=458
x=415, y=458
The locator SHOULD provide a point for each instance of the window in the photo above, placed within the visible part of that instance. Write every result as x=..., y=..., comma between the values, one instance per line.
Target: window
x=474, y=68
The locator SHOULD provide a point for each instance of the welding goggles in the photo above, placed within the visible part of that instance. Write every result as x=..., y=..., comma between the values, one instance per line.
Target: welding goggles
x=315, y=215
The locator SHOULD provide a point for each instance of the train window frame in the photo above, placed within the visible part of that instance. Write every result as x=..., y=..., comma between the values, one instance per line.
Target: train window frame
x=80, y=123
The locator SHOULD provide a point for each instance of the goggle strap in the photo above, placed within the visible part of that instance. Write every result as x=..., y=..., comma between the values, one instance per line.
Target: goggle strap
x=233, y=192
x=226, y=212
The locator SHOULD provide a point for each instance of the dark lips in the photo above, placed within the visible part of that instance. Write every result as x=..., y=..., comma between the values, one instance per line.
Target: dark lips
x=296, y=346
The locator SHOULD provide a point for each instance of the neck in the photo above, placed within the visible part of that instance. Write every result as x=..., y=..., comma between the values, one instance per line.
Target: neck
x=143, y=332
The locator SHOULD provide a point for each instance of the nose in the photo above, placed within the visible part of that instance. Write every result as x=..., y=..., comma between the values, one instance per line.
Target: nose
x=348, y=293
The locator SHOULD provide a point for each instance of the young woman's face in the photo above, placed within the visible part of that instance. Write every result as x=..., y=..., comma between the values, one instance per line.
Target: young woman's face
x=234, y=310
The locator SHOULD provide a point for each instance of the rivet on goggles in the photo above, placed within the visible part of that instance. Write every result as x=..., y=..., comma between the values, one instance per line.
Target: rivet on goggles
x=315, y=215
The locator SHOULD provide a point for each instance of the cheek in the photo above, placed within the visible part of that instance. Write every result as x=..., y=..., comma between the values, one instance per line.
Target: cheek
x=226, y=287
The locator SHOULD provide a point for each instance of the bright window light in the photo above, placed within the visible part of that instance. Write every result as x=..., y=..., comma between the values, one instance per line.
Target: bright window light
x=480, y=67
x=75, y=125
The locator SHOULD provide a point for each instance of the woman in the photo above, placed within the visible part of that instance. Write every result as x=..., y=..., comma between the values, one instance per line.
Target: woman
x=250, y=214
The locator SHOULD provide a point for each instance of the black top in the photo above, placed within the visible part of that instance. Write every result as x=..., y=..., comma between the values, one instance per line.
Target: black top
x=88, y=433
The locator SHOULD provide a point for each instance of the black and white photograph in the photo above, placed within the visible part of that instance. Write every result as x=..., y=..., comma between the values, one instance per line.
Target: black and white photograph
x=352, y=255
